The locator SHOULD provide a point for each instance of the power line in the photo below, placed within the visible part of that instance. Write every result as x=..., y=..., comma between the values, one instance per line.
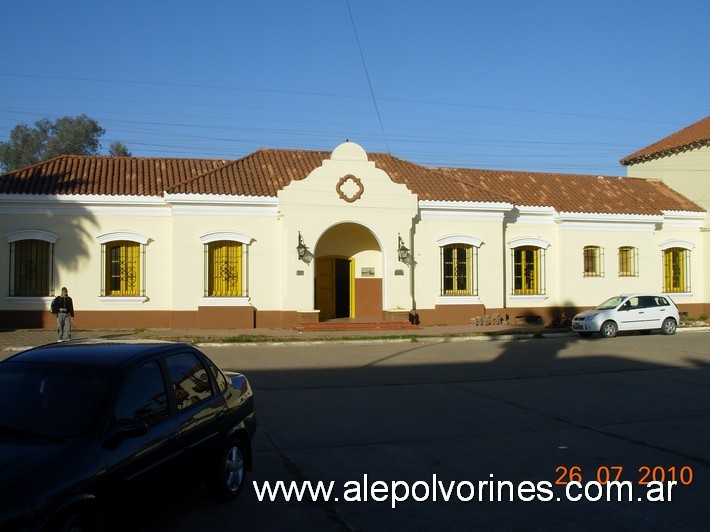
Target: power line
x=336, y=95
x=367, y=75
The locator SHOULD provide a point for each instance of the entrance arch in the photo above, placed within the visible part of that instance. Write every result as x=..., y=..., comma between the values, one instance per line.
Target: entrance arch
x=348, y=273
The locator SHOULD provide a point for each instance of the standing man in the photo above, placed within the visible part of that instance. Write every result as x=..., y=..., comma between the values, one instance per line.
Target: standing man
x=63, y=307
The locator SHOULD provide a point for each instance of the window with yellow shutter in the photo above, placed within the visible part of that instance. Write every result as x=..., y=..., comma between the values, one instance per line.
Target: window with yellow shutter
x=458, y=265
x=224, y=269
x=676, y=270
x=528, y=268
x=122, y=267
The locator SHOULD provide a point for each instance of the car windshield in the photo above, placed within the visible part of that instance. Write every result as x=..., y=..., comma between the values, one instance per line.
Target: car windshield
x=612, y=302
x=49, y=400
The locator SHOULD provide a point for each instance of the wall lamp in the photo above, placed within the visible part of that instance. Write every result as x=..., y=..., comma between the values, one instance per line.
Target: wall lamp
x=402, y=250
x=303, y=253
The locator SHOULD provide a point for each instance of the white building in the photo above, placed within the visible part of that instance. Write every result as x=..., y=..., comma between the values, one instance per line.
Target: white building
x=281, y=238
x=682, y=161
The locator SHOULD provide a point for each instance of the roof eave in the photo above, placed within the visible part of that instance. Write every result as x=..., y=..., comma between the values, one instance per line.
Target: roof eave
x=633, y=159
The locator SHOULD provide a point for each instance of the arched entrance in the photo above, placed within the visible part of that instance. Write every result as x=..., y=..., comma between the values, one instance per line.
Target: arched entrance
x=348, y=276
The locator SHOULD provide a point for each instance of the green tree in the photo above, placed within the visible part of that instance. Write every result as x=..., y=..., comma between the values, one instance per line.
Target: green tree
x=64, y=136
x=118, y=149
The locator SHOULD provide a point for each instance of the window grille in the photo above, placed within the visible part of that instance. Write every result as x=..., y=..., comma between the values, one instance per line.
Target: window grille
x=593, y=261
x=459, y=267
x=31, y=268
x=528, y=270
x=124, y=269
x=628, y=261
x=676, y=270
x=224, y=269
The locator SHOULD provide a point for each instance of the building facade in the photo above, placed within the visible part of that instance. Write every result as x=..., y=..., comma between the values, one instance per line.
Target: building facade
x=281, y=238
x=682, y=161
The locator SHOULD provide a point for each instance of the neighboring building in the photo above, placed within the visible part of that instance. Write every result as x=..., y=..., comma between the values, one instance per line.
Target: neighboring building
x=682, y=161
x=283, y=237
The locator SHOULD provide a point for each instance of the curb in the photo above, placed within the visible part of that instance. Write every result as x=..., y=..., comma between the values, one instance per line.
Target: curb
x=461, y=337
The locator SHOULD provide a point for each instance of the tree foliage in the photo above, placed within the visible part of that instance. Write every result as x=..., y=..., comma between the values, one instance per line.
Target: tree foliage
x=118, y=149
x=47, y=139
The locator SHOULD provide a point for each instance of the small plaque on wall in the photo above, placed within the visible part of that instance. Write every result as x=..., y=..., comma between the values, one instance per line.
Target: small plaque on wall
x=367, y=272
x=299, y=272
x=399, y=272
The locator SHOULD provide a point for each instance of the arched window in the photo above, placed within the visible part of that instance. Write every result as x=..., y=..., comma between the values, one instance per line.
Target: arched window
x=123, y=264
x=226, y=254
x=123, y=269
x=593, y=261
x=528, y=259
x=31, y=263
x=676, y=265
x=676, y=270
x=459, y=265
x=224, y=269
x=628, y=262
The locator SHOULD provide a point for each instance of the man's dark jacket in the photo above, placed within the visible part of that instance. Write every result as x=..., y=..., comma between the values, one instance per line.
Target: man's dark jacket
x=63, y=302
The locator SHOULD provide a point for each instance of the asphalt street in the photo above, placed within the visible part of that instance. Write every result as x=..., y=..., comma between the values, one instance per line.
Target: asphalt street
x=471, y=416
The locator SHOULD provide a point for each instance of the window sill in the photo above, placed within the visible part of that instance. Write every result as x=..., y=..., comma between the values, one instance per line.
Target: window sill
x=123, y=300
x=43, y=301
x=679, y=295
x=225, y=302
x=458, y=300
x=528, y=297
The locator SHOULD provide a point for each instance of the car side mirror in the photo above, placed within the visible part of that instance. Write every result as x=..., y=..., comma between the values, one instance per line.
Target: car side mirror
x=125, y=428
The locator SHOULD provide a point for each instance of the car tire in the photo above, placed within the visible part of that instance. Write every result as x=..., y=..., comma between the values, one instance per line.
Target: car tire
x=669, y=326
x=585, y=334
x=76, y=521
x=229, y=473
x=609, y=329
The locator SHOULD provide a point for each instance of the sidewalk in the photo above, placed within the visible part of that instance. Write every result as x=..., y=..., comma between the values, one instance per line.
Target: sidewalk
x=15, y=340
x=20, y=339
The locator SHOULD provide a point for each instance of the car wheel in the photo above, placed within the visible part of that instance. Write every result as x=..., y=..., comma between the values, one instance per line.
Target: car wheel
x=669, y=326
x=75, y=522
x=228, y=475
x=585, y=334
x=609, y=329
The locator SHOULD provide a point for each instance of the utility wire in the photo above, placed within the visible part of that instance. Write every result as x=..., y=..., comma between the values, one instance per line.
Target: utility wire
x=367, y=75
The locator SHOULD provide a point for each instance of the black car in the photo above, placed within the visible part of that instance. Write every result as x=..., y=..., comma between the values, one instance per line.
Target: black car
x=88, y=427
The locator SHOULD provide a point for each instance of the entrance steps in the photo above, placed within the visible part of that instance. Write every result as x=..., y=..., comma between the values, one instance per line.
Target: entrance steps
x=347, y=325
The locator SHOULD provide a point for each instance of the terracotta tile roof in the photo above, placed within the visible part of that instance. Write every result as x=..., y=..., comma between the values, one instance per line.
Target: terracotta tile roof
x=262, y=173
x=265, y=172
x=112, y=176
x=577, y=193
x=697, y=134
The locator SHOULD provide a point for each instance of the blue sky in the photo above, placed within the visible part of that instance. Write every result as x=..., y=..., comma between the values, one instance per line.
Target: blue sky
x=555, y=86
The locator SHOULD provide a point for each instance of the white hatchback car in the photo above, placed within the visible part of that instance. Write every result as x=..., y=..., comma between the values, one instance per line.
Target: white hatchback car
x=634, y=312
